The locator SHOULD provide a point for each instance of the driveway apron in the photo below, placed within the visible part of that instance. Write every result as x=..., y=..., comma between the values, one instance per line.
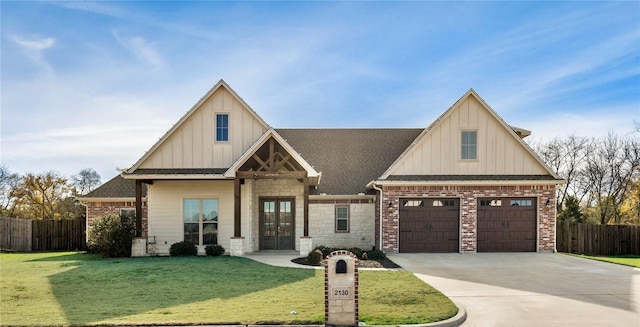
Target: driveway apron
x=532, y=289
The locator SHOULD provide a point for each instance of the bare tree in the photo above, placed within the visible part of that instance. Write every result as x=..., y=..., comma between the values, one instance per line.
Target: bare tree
x=609, y=171
x=566, y=158
x=86, y=181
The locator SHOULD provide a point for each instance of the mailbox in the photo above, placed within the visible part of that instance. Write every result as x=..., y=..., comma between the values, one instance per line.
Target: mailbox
x=341, y=289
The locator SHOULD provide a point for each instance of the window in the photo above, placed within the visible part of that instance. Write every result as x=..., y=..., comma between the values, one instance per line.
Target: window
x=128, y=213
x=413, y=203
x=443, y=203
x=491, y=203
x=469, y=145
x=526, y=203
x=342, y=218
x=222, y=127
x=200, y=221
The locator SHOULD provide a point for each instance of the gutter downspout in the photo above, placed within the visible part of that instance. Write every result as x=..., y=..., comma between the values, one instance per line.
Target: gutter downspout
x=373, y=185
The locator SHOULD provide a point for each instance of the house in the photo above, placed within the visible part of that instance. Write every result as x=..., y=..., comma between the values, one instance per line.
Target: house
x=222, y=175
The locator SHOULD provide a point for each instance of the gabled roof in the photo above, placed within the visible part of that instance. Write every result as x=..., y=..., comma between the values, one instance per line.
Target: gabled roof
x=271, y=133
x=117, y=187
x=446, y=114
x=348, y=158
x=176, y=126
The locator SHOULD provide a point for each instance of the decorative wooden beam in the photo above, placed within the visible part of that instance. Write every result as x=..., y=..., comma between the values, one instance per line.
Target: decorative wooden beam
x=282, y=162
x=272, y=175
x=138, y=208
x=236, y=208
x=306, y=205
x=272, y=152
x=263, y=165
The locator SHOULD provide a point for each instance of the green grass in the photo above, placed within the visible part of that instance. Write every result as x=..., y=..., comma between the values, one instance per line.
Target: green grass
x=82, y=289
x=627, y=260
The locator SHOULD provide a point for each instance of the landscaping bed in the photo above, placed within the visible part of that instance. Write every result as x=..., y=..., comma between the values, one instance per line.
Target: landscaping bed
x=64, y=289
x=382, y=263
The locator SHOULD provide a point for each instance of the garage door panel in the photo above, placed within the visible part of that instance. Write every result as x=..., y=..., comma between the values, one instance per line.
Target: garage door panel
x=429, y=225
x=507, y=225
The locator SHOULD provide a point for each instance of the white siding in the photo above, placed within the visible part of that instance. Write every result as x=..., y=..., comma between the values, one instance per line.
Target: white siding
x=165, y=210
x=498, y=151
x=193, y=144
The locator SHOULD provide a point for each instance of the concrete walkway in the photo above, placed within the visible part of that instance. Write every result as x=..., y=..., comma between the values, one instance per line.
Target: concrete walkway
x=532, y=289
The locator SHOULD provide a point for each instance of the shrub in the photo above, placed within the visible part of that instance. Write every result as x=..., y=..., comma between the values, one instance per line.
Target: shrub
x=183, y=249
x=214, y=250
x=111, y=236
x=376, y=255
x=357, y=252
x=314, y=257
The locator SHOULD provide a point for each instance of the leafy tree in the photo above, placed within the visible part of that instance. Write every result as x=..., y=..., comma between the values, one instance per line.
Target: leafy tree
x=86, y=181
x=8, y=184
x=40, y=196
x=571, y=210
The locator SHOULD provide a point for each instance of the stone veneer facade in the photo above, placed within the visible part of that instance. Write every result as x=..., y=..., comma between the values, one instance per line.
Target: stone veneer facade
x=468, y=196
x=100, y=209
x=322, y=223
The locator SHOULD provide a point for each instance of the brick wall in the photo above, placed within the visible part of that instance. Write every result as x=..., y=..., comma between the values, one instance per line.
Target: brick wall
x=100, y=209
x=468, y=196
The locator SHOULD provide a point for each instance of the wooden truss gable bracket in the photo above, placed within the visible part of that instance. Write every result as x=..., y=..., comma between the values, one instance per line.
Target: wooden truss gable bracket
x=273, y=175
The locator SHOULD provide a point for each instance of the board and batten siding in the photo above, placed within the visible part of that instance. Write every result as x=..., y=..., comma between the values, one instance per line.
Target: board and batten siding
x=498, y=151
x=165, y=207
x=193, y=144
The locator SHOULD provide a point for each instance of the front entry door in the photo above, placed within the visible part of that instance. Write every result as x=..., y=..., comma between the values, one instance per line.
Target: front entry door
x=277, y=224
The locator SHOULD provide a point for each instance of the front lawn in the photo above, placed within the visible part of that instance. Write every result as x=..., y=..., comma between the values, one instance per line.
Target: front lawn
x=627, y=260
x=82, y=289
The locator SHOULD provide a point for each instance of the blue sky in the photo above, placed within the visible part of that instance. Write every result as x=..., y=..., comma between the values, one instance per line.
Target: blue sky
x=95, y=84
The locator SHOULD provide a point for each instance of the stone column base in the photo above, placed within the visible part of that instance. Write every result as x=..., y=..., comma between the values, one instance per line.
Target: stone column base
x=139, y=247
x=237, y=247
x=306, y=245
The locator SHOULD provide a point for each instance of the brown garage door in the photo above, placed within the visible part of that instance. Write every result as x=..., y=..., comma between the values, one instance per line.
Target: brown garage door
x=507, y=225
x=429, y=225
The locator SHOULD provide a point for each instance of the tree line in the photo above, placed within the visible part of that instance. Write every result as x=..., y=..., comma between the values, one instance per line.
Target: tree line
x=602, y=177
x=46, y=195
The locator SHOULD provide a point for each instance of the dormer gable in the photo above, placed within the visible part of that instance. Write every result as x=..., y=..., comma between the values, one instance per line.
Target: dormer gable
x=469, y=139
x=214, y=133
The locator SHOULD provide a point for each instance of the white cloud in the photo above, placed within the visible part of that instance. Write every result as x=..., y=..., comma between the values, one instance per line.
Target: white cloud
x=141, y=48
x=37, y=44
x=33, y=48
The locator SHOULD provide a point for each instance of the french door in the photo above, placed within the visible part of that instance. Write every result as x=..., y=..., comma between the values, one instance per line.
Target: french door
x=277, y=218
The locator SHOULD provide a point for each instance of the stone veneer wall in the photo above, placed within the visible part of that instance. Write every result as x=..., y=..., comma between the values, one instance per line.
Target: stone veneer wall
x=322, y=226
x=281, y=188
x=468, y=210
x=99, y=209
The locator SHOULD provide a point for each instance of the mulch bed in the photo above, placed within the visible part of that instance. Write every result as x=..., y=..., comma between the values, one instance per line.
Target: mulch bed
x=385, y=263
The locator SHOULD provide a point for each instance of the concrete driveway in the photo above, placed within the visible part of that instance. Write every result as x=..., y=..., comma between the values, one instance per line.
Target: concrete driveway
x=532, y=289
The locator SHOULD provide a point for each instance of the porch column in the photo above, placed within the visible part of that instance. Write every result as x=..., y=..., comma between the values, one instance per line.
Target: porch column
x=306, y=205
x=236, y=208
x=138, y=208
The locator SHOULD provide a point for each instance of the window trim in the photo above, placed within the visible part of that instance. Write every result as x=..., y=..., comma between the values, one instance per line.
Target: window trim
x=228, y=127
x=348, y=218
x=467, y=146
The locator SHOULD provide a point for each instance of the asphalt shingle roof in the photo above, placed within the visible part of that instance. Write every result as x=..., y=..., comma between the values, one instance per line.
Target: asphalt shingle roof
x=349, y=158
x=117, y=187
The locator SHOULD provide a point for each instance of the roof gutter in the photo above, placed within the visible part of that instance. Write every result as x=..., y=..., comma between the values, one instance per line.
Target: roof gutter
x=470, y=183
x=373, y=185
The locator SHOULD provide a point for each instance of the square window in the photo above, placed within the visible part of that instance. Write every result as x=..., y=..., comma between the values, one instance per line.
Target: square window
x=342, y=219
x=222, y=127
x=469, y=145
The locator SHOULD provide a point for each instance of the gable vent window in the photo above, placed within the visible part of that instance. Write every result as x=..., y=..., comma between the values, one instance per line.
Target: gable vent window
x=222, y=127
x=469, y=145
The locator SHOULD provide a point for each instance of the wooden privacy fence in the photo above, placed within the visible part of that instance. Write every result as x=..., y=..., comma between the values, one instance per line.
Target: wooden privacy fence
x=597, y=239
x=42, y=235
